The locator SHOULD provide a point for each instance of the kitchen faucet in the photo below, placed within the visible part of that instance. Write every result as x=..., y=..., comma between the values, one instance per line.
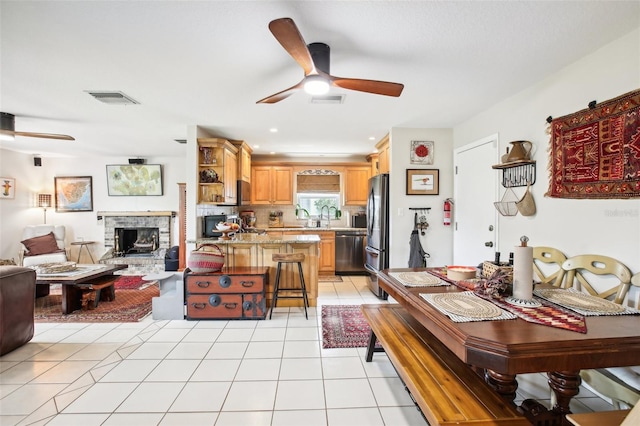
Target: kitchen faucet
x=328, y=215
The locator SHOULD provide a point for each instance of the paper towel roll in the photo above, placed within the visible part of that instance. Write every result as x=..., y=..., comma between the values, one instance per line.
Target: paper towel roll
x=523, y=273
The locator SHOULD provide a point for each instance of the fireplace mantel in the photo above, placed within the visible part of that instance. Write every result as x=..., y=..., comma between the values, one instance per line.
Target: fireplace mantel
x=136, y=213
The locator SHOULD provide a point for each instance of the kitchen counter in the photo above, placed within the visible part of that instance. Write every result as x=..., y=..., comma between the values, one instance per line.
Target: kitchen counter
x=255, y=250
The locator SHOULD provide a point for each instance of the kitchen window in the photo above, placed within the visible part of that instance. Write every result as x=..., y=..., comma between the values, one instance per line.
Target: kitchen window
x=317, y=188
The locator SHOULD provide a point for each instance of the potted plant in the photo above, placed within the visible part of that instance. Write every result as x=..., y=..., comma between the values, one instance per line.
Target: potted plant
x=301, y=213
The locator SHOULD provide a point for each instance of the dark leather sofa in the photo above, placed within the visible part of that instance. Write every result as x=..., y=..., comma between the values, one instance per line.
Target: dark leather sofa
x=17, y=301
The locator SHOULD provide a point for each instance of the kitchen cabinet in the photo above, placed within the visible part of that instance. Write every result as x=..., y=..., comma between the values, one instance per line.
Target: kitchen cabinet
x=244, y=160
x=383, y=155
x=374, y=163
x=327, y=260
x=272, y=185
x=232, y=293
x=356, y=185
x=217, y=171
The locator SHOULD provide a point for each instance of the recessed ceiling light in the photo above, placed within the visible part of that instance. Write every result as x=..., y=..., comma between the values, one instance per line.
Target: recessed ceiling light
x=256, y=146
x=272, y=152
x=371, y=138
x=273, y=130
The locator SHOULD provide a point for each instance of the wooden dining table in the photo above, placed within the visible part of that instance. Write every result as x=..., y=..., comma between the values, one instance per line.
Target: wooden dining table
x=505, y=348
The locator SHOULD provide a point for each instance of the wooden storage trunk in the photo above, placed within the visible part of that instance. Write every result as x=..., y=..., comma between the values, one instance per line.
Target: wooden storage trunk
x=232, y=293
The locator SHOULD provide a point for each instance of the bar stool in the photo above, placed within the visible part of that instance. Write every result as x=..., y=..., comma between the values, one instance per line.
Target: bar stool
x=289, y=258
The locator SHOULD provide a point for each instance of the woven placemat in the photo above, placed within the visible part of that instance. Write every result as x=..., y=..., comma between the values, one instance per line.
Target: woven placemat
x=417, y=279
x=581, y=302
x=466, y=306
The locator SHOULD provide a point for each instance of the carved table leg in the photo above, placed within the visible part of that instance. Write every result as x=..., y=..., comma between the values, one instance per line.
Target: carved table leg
x=504, y=384
x=566, y=385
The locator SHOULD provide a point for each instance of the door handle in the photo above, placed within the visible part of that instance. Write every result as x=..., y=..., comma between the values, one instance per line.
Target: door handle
x=488, y=244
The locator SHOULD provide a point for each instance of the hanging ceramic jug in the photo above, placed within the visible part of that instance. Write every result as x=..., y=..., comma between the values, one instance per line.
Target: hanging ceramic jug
x=520, y=151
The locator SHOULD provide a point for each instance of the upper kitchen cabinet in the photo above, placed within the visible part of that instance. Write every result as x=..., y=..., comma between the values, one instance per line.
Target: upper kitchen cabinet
x=383, y=155
x=217, y=171
x=244, y=160
x=356, y=185
x=272, y=185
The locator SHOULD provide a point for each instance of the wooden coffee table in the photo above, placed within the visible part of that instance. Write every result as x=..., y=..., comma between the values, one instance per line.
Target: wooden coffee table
x=74, y=283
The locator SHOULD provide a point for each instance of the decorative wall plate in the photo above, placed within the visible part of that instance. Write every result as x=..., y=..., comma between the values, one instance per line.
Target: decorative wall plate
x=421, y=152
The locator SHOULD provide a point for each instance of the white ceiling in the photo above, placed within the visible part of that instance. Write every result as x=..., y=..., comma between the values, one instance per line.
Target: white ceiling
x=208, y=62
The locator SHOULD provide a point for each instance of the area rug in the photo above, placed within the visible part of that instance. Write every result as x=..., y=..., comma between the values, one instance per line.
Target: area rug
x=344, y=326
x=131, y=282
x=595, y=153
x=129, y=306
x=329, y=278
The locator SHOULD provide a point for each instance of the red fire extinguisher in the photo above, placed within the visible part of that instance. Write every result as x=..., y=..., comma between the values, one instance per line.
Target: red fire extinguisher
x=447, y=211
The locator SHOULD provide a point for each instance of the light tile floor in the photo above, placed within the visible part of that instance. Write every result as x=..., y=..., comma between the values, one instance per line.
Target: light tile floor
x=271, y=372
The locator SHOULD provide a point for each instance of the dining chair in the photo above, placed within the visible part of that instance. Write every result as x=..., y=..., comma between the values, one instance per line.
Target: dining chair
x=578, y=268
x=620, y=384
x=551, y=256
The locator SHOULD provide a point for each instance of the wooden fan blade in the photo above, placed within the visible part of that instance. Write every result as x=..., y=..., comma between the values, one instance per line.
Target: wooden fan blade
x=43, y=135
x=281, y=95
x=370, y=86
x=287, y=34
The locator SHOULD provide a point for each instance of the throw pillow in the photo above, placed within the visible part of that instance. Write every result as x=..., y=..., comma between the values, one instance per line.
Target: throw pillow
x=43, y=244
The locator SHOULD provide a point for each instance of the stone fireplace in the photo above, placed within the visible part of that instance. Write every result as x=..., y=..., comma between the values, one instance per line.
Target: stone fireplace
x=137, y=239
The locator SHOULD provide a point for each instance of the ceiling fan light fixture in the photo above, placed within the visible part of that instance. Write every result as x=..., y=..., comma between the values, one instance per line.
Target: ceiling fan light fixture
x=316, y=85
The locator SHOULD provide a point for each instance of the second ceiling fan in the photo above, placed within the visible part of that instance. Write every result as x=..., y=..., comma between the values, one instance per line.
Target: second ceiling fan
x=314, y=60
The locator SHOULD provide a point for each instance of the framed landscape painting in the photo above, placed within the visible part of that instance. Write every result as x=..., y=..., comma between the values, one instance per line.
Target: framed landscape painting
x=134, y=179
x=74, y=194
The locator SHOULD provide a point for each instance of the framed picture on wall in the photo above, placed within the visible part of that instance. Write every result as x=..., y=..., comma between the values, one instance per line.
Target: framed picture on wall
x=7, y=188
x=423, y=181
x=421, y=152
x=74, y=194
x=134, y=179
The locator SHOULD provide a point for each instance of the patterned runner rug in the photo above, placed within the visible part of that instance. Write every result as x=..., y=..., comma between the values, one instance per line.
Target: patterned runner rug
x=344, y=326
x=129, y=306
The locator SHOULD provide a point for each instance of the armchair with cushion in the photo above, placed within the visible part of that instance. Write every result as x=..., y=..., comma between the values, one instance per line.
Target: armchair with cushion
x=42, y=244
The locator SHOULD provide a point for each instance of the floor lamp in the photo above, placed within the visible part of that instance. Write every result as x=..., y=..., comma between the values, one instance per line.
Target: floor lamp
x=44, y=201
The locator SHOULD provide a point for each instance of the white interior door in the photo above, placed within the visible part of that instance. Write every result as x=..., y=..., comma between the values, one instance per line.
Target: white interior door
x=475, y=190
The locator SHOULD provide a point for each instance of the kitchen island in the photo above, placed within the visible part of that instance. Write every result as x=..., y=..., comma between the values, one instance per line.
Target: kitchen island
x=246, y=250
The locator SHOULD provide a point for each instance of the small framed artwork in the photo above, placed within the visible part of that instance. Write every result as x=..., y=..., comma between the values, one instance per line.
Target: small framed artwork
x=74, y=194
x=7, y=188
x=134, y=179
x=423, y=182
x=421, y=152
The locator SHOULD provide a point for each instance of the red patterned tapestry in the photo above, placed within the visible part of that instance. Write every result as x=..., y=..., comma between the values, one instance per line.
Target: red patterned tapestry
x=595, y=153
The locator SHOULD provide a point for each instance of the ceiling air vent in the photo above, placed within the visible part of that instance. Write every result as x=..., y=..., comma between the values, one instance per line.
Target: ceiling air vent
x=181, y=140
x=113, y=98
x=327, y=99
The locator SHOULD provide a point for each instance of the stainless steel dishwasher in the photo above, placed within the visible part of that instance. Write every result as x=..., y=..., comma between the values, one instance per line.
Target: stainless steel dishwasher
x=350, y=257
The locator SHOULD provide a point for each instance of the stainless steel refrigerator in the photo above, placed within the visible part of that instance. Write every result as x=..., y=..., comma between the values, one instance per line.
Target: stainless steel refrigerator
x=377, y=250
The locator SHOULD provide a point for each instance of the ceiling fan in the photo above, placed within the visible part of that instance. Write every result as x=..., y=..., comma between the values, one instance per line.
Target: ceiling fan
x=8, y=124
x=314, y=60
